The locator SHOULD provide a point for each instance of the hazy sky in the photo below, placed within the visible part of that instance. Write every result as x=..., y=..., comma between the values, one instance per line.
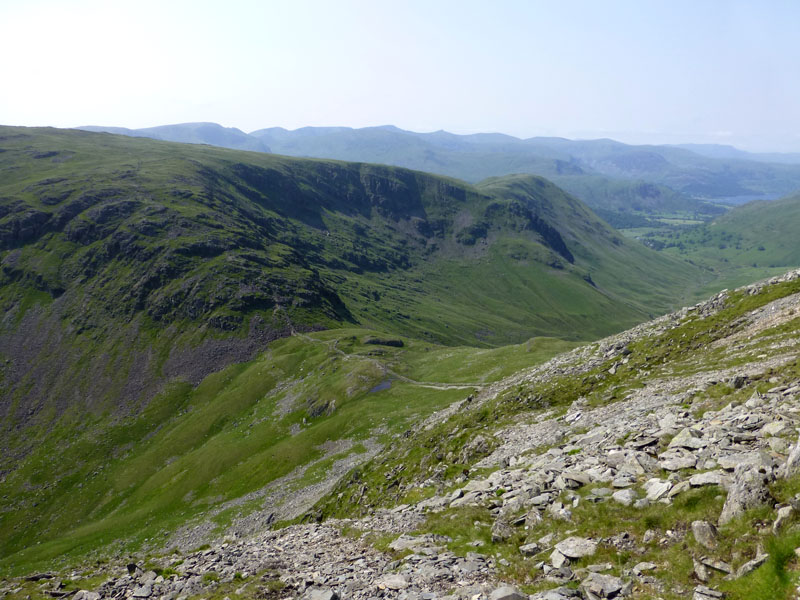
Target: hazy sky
x=639, y=71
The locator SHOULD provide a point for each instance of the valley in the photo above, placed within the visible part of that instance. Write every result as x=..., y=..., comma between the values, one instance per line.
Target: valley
x=216, y=363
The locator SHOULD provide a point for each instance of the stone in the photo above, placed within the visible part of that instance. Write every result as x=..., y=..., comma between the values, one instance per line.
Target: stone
x=779, y=445
x=702, y=592
x=751, y=565
x=679, y=488
x=717, y=565
x=86, y=595
x=748, y=490
x=643, y=567
x=558, y=560
x=530, y=549
x=507, y=593
x=533, y=517
x=623, y=480
x=688, y=438
x=705, y=534
x=148, y=577
x=394, y=582
x=602, y=586
x=792, y=462
x=625, y=497
x=561, y=593
x=710, y=478
x=775, y=428
x=677, y=461
x=501, y=531
x=576, y=547
x=656, y=489
x=700, y=571
x=599, y=568
x=742, y=459
x=144, y=591
x=321, y=594
x=785, y=514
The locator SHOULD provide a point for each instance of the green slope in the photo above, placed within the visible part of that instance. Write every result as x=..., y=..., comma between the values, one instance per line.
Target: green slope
x=195, y=257
x=194, y=454
x=751, y=241
x=142, y=283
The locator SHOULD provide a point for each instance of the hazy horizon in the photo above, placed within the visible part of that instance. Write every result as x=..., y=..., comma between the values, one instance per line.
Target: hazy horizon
x=685, y=72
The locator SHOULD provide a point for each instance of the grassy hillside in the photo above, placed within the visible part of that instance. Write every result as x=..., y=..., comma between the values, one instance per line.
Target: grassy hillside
x=575, y=448
x=197, y=257
x=206, y=455
x=748, y=242
x=163, y=308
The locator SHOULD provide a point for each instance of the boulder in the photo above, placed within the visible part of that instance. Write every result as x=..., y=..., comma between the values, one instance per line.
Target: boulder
x=657, y=489
x=501, y=531
x=688, y=438
x=625, y=497
x=394, y=582
x=530, y=549
x=751, y=565
x=576, y=547
x=321, y=594
x=507, y=593
x=702, y=592
x=598, y=585
x=793, y=462
x=709, y=478
x=748, y=490
x=558, y=560
x=705, y=534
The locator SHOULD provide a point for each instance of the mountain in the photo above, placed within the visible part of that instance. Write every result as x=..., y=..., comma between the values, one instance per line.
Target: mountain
x=211, y=321
x=609, y=176
x=688, y=174
x=659, y=462
x=192, y=133
x=728, y=152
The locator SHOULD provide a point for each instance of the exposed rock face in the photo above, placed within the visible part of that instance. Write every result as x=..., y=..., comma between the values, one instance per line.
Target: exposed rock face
x=748, y=490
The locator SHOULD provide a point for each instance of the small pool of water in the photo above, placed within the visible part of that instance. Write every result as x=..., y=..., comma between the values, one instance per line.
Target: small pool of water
x=383, y=385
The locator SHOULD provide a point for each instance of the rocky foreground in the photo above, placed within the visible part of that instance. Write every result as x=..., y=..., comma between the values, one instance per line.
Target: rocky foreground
x=680, y=481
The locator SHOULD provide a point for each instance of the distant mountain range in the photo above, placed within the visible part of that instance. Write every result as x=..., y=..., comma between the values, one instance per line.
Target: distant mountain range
x=607, y=175
x=193, y=133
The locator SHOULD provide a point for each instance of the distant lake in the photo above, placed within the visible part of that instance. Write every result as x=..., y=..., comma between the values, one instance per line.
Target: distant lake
x=739, y=200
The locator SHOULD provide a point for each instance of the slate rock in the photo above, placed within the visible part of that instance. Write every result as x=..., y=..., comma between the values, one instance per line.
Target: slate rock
x=702, y=592
x=507, y=593
x=144, y=591
x=625, y=497
x=602, y=586
x=705, y=534
x=576, y=547
x=748, y=490
x=394, y=582
x=558, y=560
x=657, y=489
x=710, y=478
x=321, y=594
x=530, y=549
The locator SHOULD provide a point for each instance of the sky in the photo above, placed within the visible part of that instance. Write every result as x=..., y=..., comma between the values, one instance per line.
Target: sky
x=640, y=71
